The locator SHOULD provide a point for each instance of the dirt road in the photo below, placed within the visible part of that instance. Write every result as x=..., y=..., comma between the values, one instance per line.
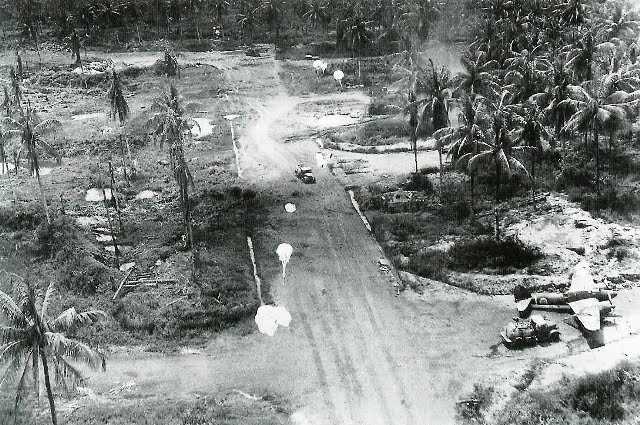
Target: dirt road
x=354, y=353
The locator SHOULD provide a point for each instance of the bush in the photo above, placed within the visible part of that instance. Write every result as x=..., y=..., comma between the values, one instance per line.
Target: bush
x=21, y=216
x=454, y=200
x=420, y=182
x=432, y=265
x=600, y=395
x=469, y=411
x=486, y=252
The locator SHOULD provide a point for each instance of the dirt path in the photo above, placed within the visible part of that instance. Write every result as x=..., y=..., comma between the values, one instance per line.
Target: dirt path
x=354, y=353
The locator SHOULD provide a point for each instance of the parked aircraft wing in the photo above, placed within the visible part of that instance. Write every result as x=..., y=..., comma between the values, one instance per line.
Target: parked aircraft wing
x=587, y=311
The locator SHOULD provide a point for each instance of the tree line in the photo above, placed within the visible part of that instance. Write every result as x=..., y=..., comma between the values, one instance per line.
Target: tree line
x=540, y=76
x=358, y=24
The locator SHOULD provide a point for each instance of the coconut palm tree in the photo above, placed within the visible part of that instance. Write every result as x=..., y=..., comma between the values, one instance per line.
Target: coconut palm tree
x=119, y=106
x=272, y=11
x=30, y=339
x=31, y=131
x=498, y=155
x=600, y=109
x=435, y=85
x=171, y=126
x=119, y=110
x=472, y=130
x=220, y=9
x=477, y=77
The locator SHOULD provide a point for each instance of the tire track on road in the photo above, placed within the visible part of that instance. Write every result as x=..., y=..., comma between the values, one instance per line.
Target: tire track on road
x=315, y=352
x=378, y=330
x=350, y=303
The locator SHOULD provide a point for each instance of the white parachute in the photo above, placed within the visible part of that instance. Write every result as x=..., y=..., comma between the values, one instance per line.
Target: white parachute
x=269, y=317
x=338, y=76
x=284, y=252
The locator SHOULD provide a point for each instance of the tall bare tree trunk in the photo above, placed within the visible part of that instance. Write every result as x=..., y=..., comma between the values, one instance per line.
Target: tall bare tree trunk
x=44, y=197
x=440, y=159
x=47, y=384
x=115, y=196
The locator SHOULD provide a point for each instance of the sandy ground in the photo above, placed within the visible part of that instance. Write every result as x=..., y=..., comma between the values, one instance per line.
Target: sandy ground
x=355, y=353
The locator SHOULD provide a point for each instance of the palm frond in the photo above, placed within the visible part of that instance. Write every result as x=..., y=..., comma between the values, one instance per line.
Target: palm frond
x=10, y=308
x=578, y=93
x=478, y=161
x=66, y=372
x=11, y=333
x=517, y=167
x=47, y=126
x=60, y=345
x=21, y=387
x=70, y=319
x=502, y=160
x=47, y=300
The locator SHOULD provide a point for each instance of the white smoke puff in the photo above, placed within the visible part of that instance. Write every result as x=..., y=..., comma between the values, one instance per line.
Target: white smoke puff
x=317, y=64
x=266, y=320
x=290, y=208
x=284, y=252
x=282, y=315
x=338, y=75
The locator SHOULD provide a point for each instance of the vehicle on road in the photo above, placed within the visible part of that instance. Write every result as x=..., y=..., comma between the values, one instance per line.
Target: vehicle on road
x=305, y=174
x=529, y=331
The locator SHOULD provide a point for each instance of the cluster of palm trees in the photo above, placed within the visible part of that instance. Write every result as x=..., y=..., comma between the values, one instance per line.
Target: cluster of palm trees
x=20, y=123
x=358, y=23
x=539, y=73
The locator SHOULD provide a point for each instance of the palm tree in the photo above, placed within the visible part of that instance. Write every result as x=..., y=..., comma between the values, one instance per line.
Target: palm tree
x=119, y=106
x=619, y=23
x=272, y=12
x=119, y=109
x=356, y=33
x=526, y=73
x=436, y=85
x=466, y=138
x=317, y=12
x=599, y=109
x=498, y=156
x=30, y=339
x=531, y=134
x=220, y=9
x=31, y=131
x=477, y=77
x=171, y=126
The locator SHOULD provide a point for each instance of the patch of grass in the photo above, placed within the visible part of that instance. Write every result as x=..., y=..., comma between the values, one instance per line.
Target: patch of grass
x=226, y=409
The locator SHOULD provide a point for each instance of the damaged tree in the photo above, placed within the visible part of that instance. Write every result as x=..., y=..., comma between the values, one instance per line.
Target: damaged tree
x=170, y=126
x=120, y=111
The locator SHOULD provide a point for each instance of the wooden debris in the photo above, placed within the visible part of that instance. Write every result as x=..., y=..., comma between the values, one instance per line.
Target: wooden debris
x=151, y=281
x=122, y=283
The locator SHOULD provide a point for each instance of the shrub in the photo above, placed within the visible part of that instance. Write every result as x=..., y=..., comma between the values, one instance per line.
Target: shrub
x=469, y=411
x=486, y=252
x=432, y=265
x=600, y=395
x=21, y=216
x=420, y=182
